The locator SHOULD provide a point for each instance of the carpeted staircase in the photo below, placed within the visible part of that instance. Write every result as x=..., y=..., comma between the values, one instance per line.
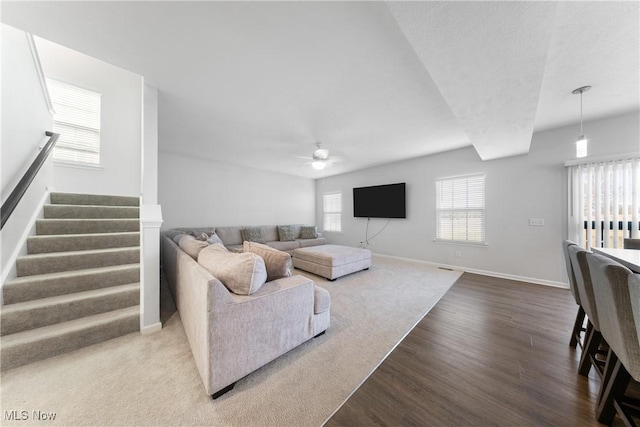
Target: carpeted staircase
x=79, y=284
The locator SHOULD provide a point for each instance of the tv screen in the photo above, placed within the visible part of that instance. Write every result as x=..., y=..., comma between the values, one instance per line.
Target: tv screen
x=380, y=201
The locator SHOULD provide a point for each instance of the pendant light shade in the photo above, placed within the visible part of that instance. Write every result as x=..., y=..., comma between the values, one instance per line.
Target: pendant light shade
x=581, y=143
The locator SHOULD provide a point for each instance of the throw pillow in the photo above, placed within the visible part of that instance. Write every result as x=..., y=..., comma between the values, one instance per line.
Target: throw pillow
x=200, y=235
x=308, y=233
x=215, y=239
x=286, y=233
x=177, y=237
x=242, y=273
x=253, y=234
x=191, y=246
x=278, y=263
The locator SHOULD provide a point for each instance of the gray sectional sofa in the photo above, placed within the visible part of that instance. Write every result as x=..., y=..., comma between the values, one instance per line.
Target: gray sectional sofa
x=232, y=237
x=232, y=335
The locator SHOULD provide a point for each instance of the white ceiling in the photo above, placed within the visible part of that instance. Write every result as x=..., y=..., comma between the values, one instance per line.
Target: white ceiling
x=257, y=83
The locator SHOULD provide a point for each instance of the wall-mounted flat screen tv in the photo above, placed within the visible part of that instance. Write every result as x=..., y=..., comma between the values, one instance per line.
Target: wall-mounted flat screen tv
x=380, y=201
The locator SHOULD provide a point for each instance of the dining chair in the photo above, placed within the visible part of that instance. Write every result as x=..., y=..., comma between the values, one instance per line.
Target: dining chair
x=617, y=293
x=576, y=332
x=631, y=243
x=593, y=338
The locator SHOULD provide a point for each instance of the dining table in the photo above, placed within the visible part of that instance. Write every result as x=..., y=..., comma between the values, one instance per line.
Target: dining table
x=630, y=258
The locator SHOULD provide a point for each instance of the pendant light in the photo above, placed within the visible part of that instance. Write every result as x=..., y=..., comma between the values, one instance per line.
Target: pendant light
x=581, y=143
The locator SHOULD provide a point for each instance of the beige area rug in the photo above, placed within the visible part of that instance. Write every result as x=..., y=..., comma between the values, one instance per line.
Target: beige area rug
x=152, y=379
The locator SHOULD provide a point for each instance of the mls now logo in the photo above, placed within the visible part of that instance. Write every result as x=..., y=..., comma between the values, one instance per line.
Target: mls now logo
x=16, y=415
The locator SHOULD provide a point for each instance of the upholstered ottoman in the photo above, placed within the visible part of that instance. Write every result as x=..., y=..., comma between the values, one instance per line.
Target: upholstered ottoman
x=331, y=261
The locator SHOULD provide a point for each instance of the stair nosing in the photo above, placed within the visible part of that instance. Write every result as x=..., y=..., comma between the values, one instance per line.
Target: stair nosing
x=67, y=298
x=57, y=236
x=58, y=274
x=59, y=329
x=72, y=253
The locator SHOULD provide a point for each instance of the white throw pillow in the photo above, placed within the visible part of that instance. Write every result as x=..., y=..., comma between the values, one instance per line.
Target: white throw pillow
x=191, y=246
x=242, y=273
x=278, y=263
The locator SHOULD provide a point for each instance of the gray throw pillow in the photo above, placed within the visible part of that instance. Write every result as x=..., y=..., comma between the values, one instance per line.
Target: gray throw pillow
x=242, y=273
x=177, y=237
x=200, y=235
x=191, y=246
x=286, y=233
x=308, y=232
x=215, y=239
x=253, y=234
x=278, y=263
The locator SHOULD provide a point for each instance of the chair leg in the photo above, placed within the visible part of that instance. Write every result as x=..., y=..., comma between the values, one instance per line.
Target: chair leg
x=614, y=391
x=577, y=327
x=606, y=374
x=592, y=342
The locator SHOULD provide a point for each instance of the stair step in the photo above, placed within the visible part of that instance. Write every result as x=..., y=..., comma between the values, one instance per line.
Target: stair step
x=34, y=314
x=75, y=260
x=80, y=242
x=90, y=211
x=41, y=343
x=93, y=199
x=66, y=282
x=85, y=226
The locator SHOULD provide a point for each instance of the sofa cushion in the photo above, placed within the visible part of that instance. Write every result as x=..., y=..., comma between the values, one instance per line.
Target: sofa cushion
x=191, y=246
x=278, y=263
x=270, y=233
x=286, y=233
x=229, y=235
x=311, y=242
x=321, y=300
x=253, y=234
x=242, y=273
x=284, y=246
x=308, y=232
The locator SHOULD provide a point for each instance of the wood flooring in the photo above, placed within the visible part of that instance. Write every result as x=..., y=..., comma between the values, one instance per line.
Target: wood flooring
x=492, y=352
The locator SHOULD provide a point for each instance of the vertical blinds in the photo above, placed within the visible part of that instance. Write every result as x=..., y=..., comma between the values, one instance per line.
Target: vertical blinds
x=332, y=208
x=604, y=202
x=77, y=120
x=460, y=209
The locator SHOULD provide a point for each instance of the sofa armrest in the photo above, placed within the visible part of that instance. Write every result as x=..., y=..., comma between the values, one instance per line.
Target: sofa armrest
x=197, y=294
x=258, y=328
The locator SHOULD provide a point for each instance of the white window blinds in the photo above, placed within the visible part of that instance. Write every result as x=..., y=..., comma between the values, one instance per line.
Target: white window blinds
x=603, y=202
x=460, y=209
x=332, y=209
x=77, y=120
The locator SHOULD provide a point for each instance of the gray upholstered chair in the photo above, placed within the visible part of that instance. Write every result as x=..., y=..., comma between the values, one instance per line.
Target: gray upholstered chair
x=631, y=243
x=578, y=328
x=617, y=293
x=593, y=338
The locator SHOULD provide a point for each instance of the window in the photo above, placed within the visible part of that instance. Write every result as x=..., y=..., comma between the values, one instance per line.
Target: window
x=460, y=209
x=332, y=208
x=604, y=202
x=77, y=120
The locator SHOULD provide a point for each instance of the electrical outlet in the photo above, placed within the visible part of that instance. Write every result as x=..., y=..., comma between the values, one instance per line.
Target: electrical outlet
x=536, y=222
x=458, y=254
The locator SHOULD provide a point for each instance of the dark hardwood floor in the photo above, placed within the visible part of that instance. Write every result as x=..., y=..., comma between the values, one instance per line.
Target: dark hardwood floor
x=491, y=352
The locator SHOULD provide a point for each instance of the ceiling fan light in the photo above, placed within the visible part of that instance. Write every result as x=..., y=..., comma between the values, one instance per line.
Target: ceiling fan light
x=581, y=147
x=318, y=164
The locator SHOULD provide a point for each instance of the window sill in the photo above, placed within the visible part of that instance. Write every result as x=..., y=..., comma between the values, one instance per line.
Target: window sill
x=461, y=243
x=77, y=165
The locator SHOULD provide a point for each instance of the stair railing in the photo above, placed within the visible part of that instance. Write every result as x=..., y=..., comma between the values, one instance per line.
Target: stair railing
x=16, y=195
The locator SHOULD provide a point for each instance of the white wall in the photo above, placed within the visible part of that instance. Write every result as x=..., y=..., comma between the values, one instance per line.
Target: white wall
x=195, y=192
x=25, y=118
x=121, y=118
x=517, y=188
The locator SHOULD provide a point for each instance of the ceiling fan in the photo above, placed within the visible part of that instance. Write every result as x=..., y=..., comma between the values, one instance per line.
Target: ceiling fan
x=320, y=158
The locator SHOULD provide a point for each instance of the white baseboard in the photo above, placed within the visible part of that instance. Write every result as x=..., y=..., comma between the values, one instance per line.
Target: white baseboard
x=145, y=330
x=488, y=273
